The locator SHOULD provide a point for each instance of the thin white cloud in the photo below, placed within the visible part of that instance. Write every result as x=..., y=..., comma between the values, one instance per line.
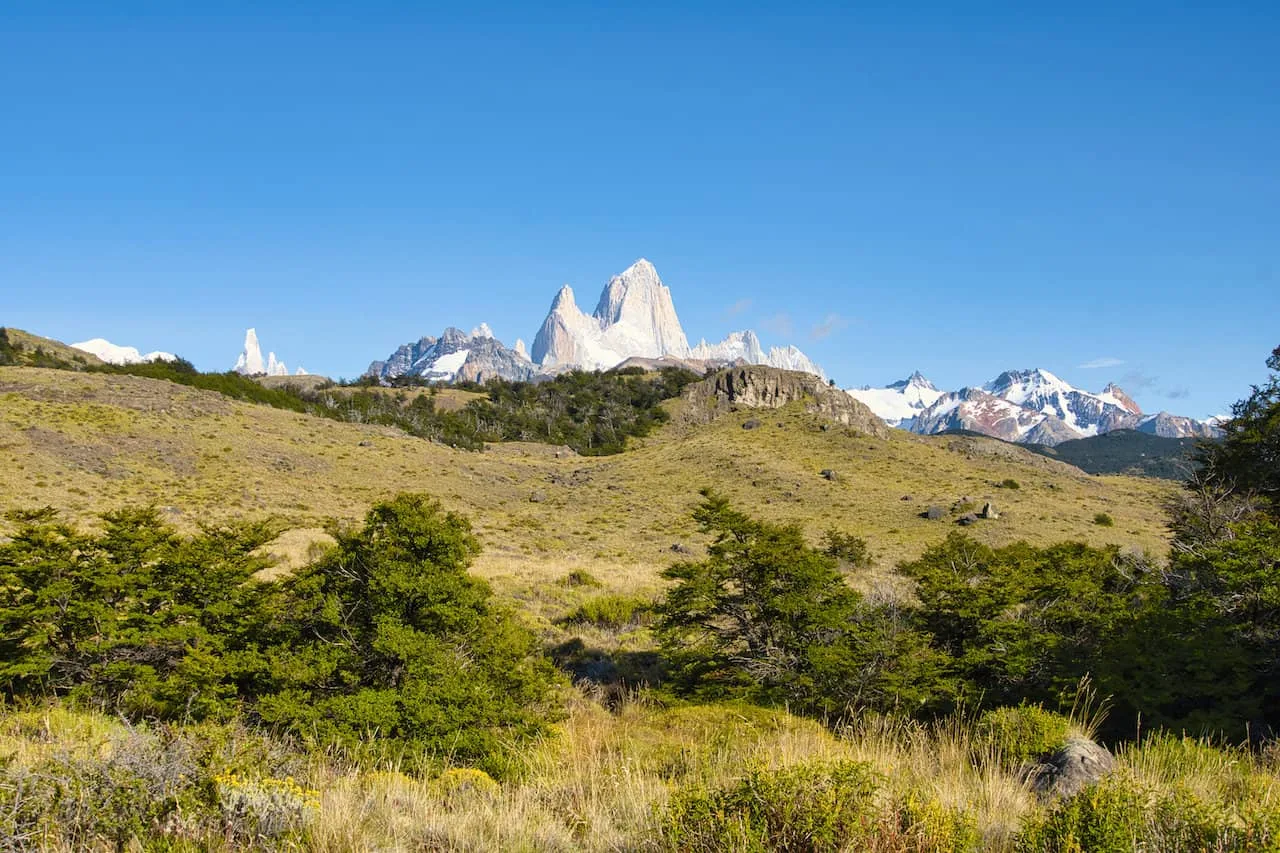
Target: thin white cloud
x=830, y=324
x=1105, y=361
x=737, y=308
x=779, y=324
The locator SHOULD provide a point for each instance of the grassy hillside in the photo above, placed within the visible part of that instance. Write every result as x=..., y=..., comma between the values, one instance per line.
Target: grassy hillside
x=86, y=442
x=24, y=348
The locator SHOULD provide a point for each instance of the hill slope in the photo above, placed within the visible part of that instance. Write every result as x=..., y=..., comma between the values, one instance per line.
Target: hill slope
x=1126, y=451
x=86, y=442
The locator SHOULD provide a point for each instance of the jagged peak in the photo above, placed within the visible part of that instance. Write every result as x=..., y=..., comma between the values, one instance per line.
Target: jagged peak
x=564, y=298
x=915, y=380
x=482, y=331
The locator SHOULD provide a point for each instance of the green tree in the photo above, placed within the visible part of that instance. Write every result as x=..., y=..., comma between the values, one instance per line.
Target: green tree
x=1248, y=457
x=387, y=643
x=771, y=617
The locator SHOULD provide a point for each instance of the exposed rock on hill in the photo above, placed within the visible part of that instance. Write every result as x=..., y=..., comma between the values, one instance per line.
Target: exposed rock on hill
x=760, y=387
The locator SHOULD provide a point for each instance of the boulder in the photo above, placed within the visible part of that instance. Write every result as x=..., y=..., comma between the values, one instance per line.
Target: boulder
x=1079, y=763
x=989, y=511
x=753, y=423
x=828, y=474
x=934, y=513
x=537, y=497
x=967, y=519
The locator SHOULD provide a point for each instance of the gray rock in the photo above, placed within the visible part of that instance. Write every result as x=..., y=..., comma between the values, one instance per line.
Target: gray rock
x=828, y=474
x=537, y=497
x=754, y=423
x=366, y=443
x=934, y=513
x=967, y=519
x=989, y=511
x=677, y=548
x=1065, y=773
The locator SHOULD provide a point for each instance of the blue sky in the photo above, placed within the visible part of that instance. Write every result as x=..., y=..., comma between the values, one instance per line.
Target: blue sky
x=958, y=188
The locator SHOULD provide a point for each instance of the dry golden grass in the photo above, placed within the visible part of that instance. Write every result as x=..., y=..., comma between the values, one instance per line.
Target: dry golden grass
x=86, y=442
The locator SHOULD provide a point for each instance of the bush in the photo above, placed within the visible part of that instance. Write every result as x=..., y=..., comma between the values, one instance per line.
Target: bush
x=612, y=611
x=580, y=577
x=1020, y=735
x=257, y=810
x=1118, y=815
x=802, y=808
x=1010, y=483
x=847, y=548
x=389, y=648
x=1104, y=520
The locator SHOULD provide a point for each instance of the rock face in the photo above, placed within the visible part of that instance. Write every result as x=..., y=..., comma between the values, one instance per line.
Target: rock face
x=456, y=357
x=1078, y=764
x=1176, y=426
x=250, y=362
x=760, y=387
x=635, y=318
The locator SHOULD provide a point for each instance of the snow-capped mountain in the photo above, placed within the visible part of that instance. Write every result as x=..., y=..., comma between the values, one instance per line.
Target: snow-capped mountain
x=1026, y=406
x=635, y=317
x=251, y=363
x=898, y=404
x=113, y=354
x=457, y=357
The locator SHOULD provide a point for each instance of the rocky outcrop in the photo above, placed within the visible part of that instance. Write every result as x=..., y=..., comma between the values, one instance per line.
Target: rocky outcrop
x=251, y=363
x=760, y=387
x=1176, y=426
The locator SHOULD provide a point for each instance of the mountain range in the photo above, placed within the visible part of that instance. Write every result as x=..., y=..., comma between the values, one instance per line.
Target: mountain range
x=251, y=363
x=634, y=318
x=1024, y=406
x=115, y=354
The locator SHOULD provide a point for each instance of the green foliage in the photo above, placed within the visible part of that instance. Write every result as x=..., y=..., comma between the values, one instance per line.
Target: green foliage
x=801, y=808
x=8, y=353
x=389, y=647
x=846, y=548
x=580, y=577
x=1025, y=624
x=1019, y=735
x=385, y=645
x=1102, y=519
x=1010, y=483
x=769, y=616
x=134, y=618
x=1118, y=815
x=1248, y=457
x=612, y=611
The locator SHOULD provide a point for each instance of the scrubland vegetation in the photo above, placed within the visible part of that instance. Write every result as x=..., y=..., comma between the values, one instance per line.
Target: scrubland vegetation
x=163, y=691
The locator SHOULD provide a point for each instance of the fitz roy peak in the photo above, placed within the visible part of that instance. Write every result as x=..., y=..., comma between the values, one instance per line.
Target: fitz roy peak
x=251, y=363
x=634, y=318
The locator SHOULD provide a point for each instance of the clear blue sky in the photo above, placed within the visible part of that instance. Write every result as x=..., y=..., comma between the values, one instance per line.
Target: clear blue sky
x=958, y=188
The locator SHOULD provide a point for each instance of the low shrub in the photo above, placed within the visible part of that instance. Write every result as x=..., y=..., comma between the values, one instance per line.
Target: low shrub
x=612, y=611
x=580, y=577
x=1104, y=520
x=1019, y=735
x=1118, y=815
x=1010, y=483
x=802, y=808
x=259, y=810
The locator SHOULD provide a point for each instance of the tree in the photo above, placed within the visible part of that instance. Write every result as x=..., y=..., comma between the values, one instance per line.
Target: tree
x=769, y=616
x=1248, y=457
x=388, y=644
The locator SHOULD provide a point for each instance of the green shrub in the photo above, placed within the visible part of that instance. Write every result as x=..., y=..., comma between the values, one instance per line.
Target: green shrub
x=1118, y=816
x=802, y=808
x=1104, y=520
x=612, y=611
x=1019, y=735
x=923, y=825
x=1010, y=483
x=846, y=547
x=580, y=577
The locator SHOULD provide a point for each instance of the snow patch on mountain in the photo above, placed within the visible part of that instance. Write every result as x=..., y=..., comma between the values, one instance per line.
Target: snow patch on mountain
x=899, y=403
x=456, y=357
x=114, y=354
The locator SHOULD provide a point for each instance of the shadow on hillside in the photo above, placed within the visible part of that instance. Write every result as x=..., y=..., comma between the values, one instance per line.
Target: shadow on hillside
x=611, y=673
